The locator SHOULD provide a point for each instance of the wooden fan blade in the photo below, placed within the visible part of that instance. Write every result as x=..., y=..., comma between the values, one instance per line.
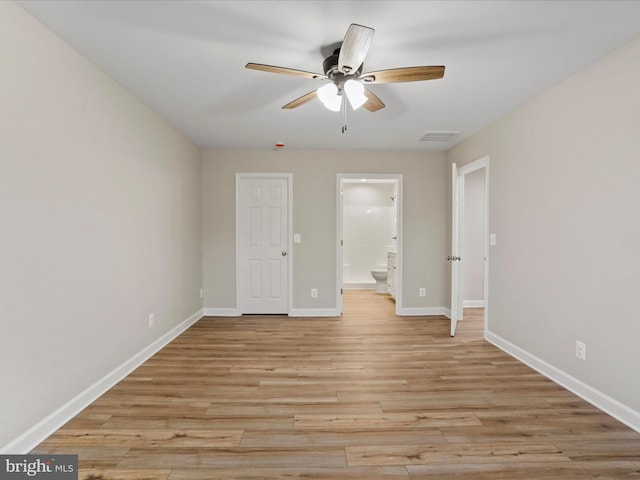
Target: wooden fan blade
x=373, y=103
x=285, y=71
x=355, y=47
x=406, y=74
x=301, y=100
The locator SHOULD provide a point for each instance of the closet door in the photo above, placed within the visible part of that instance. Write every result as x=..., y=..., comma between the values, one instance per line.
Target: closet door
x=262, y=245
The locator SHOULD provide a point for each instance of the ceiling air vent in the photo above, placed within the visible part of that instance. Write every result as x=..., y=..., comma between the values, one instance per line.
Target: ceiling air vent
x=438, y=136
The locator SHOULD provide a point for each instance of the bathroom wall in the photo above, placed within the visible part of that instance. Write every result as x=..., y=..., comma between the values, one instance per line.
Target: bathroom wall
x=369, y=224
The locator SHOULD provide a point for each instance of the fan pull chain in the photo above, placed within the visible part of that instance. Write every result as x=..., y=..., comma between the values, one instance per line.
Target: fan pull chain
x=343, y=105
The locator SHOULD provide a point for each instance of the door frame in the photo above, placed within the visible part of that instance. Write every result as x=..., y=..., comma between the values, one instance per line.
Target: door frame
x=457, y=188
x=340, y=177
x=288, y=177
x=462, y=171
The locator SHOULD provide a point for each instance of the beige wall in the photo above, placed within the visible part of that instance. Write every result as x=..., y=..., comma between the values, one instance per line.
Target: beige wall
x=565, y=206
x=100, y=224
x=314, y=217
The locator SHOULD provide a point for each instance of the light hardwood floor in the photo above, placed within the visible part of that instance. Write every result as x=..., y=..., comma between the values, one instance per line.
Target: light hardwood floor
x=365, y=396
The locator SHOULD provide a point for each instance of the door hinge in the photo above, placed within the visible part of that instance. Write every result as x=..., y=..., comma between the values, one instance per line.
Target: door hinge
x=340, y=291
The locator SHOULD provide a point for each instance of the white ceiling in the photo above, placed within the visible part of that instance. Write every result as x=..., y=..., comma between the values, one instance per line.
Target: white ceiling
x=185, y=59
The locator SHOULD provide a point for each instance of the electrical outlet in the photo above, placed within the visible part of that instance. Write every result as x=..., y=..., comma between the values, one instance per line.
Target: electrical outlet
x=152, y=320
x=581, y=350
x=422, y=292
x=314, y=293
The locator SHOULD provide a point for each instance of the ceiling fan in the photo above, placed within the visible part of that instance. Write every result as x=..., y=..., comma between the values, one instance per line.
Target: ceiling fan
x=343, y=71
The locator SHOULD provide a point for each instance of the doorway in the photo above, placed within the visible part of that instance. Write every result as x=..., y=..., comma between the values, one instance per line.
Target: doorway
x=263, y=230
x=369, y=228
x=473, y=240
x=470, y=234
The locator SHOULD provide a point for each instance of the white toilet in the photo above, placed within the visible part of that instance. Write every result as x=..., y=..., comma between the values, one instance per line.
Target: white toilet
x=381, y=280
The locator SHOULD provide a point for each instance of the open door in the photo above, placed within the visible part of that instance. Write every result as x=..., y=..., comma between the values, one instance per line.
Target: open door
x=454, y=258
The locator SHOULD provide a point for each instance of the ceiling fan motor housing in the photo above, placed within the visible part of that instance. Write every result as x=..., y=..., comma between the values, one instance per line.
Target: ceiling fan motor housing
x=330, y=68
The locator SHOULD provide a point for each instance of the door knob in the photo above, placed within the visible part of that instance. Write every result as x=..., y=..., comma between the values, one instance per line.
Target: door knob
x=284, y=254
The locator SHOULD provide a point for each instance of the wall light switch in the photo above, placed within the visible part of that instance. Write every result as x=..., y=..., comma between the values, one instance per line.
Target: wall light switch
x=492, y=239
x=297, y=238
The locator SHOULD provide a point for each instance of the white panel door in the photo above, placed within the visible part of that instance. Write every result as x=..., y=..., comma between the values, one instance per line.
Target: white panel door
x=454, y=258
x=263, y=245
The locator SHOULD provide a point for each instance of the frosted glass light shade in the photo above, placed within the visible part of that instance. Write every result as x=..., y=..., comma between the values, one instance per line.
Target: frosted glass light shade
x=328, y=95
x=355, y=93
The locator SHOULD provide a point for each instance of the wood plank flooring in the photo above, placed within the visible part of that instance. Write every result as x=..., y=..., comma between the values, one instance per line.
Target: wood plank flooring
x=365, y=396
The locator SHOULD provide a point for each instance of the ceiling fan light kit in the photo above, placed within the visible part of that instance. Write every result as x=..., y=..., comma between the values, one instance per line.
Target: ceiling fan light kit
x=343, y=71
x=329, y=96
x=332, y=97
x=355, y=93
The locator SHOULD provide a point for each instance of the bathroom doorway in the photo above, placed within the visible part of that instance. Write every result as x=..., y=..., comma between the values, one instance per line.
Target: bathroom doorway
x=369, y=227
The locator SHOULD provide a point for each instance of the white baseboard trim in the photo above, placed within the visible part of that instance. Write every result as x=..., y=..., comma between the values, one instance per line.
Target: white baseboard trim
x=609, y=405
x=423, y=311
x=221, y=312
x=295, y=312
x=473, y=304
x=314, y=312
x=447, y=312
x=43, y=429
